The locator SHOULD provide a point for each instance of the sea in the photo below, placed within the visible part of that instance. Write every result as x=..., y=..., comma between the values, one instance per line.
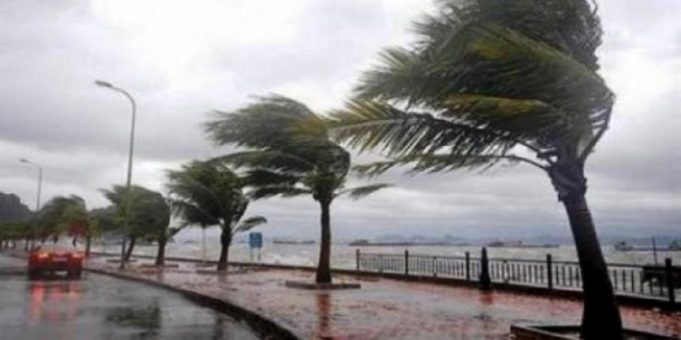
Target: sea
x=343, y=255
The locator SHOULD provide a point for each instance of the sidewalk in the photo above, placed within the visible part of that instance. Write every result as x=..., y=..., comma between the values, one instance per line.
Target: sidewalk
x=383, y=308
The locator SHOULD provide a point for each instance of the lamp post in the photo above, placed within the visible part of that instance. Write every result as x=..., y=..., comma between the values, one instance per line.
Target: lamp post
x=40, y=188
x=126, y=206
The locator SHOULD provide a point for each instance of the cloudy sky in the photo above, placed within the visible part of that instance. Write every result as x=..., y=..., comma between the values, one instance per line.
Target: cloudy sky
x=181, y=59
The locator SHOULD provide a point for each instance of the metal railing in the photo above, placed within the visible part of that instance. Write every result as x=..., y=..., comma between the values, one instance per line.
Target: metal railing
x=651, y=281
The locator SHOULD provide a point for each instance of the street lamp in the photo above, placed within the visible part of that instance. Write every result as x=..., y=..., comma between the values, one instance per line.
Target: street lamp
x=130, y=153
x=40, y=188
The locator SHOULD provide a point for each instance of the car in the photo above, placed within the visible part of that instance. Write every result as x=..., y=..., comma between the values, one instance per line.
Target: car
x=50, y=259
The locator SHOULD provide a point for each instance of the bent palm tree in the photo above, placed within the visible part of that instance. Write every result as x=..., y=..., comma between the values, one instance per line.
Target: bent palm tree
x=104, y=220
x=148, y=213
x=491, y=81
x=208, y=194
x=162, y=236
x=289, y=154
x=64, y=214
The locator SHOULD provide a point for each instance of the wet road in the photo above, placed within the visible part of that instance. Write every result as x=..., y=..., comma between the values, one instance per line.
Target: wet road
x=101, y=307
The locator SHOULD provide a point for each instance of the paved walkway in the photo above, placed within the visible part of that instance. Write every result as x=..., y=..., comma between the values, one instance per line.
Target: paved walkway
x=387, y=309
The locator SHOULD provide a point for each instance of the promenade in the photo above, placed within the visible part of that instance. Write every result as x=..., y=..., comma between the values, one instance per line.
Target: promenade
x=382, y=308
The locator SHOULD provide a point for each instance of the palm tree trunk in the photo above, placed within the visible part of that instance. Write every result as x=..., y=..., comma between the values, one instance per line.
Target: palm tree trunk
x=161, y=254
x=131, y=246
x=601, y=318
x=88, y=245
x=324, y=266
x=225, y=241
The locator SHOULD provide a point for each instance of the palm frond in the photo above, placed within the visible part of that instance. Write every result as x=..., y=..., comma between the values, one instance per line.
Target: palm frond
x=431, y=163
x=269, y=121
x=363, y=191
x=371, y=125
x=277, y=159
x=571, y=26
x=265, y=177
x=281, y=190
x=249, y=224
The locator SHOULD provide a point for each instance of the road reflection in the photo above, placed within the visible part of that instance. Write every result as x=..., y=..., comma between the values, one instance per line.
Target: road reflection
x=54, y=301
x=324, y=307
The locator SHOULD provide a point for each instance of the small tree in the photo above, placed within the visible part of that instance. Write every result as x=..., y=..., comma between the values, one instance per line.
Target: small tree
x=289, y=154
x=208, y=194
x=103, y=220
x=12, y=231
x=149, y=213
x=162, y=235
x=63, y=214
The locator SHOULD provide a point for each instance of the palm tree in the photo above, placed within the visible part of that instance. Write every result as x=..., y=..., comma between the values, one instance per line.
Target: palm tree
x=149, y=212
x=103, y=220
x=491, y=81
x=289, y=154
x=162, y=237
x=11, y=231
x=208, y=194
x=63, y=214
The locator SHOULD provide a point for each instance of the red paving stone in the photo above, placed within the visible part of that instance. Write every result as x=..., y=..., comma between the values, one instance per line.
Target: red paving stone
x=389, y=309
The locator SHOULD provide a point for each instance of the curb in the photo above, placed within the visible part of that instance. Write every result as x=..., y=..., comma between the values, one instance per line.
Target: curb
x=263, y=327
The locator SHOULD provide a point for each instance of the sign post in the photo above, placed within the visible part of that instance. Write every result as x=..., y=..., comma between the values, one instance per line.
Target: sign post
x=255, y=241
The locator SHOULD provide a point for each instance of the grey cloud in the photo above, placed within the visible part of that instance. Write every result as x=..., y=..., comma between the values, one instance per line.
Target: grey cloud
x=51, y=51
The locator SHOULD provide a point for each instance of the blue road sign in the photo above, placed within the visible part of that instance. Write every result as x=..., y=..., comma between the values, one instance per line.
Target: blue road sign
x=255, y=240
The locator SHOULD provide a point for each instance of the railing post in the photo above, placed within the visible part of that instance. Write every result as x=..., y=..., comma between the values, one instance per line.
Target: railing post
x=485, y=280
x=468, y=266
x=434, y=266
x=406, y=262
x=549, y=271
x=380, y=263
x=670, y=280
x=357, y=259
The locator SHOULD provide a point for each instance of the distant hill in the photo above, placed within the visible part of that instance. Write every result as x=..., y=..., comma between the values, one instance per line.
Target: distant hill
x=11, y=208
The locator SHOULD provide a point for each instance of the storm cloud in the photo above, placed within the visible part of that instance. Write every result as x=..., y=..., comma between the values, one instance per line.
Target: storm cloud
x=183, y=59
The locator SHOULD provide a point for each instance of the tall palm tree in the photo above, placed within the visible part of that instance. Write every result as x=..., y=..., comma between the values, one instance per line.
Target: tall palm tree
x=490, y=81
x=208, y=194
x=149, y=212
x=289, y=154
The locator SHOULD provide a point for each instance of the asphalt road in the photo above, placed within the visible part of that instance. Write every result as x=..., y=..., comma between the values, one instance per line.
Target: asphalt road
x=101, y=307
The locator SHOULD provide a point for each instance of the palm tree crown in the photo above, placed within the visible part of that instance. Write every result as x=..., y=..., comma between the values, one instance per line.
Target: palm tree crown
x=488, y=81
x=63, y=214
x=149, y=211
x=289, y=151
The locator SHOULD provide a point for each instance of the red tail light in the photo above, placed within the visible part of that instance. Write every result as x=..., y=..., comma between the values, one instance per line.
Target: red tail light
x=42, y=255
x=77, y=255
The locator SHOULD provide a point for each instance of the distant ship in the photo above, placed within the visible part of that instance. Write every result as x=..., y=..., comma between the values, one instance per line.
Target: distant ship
x=277, y=241
x=623, y=246
x=519, y=244
x=367, y=243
